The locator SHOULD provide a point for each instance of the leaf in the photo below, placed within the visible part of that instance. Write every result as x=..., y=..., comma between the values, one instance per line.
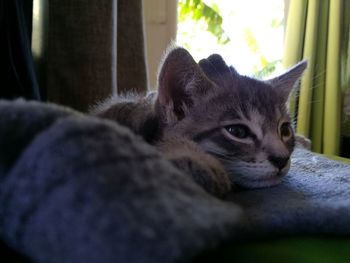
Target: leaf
x=197, y=10
x=276, y=23
x=251, y=41
x=267, y=70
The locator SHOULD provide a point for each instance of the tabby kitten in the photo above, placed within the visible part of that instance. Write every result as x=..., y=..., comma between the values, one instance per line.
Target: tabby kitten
x=220, y=127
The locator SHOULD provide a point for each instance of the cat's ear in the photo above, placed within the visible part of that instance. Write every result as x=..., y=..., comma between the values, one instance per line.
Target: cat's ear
x=285, y=83
x=181, y=84
x=214, y=66
x=216, y=69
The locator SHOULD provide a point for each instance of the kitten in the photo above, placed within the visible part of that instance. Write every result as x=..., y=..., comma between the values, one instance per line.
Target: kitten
x=220, y=127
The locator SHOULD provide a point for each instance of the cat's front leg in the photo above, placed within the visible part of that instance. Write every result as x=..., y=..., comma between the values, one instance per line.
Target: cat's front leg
x=202, y=167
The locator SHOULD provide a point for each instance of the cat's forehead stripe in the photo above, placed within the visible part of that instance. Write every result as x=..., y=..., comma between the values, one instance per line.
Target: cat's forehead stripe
x=231, y=114
x=247, y=94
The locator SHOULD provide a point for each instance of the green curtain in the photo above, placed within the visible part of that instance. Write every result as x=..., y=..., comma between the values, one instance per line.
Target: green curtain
x=318, y=31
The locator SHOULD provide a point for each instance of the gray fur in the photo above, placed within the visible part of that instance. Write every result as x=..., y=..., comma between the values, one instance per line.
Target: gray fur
x=80, y=189
x=286, y=82
x=200, y=101
x=314, y=198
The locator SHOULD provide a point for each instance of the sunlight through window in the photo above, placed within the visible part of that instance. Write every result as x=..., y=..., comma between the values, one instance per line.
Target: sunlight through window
x=250, y=36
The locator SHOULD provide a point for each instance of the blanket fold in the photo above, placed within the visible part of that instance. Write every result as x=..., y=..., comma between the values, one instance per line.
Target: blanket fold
x=74, y=188
x=87, y=190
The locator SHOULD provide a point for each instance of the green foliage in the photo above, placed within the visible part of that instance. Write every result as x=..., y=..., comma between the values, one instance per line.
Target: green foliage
x=267, y=67
x=267, y=70
x=198, y=10
x=206, y=15
x=275, y=23
x=251, y=41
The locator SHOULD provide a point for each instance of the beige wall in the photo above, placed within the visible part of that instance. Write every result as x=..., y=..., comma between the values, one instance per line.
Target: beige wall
x=160, y=18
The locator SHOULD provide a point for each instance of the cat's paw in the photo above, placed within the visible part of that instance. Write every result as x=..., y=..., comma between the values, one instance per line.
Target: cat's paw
x=211, y=177
x=203, y=168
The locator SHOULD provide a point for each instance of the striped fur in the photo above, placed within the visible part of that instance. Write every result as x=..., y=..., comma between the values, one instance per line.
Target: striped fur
x=238, y=126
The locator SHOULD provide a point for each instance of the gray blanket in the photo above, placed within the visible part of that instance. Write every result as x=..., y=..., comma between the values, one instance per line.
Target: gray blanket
x=74, y=188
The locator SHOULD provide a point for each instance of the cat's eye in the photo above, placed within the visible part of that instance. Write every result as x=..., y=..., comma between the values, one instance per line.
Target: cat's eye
x=285, y=130
x=238, y=130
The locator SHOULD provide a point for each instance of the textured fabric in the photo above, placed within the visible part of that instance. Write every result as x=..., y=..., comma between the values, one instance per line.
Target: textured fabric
x=17, y=73
x=78, y=189
x=81, y=52
x=314, y=198
x=132, y=75
x=86, y=190
x=95, y=48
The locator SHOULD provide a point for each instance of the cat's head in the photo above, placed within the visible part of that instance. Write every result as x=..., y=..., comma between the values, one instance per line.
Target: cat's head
x=241, y=121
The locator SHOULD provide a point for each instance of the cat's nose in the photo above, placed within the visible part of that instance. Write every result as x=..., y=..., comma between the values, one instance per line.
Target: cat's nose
x=279, y=161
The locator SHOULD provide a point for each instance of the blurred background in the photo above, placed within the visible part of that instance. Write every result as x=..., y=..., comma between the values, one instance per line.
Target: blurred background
x=247, y=33
x=77, y=53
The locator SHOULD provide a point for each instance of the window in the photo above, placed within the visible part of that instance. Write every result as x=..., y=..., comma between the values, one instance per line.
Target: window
x=247, y=33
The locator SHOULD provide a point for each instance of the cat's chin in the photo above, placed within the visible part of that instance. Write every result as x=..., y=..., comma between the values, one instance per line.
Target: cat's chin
x=259, y=176
x=262, y=183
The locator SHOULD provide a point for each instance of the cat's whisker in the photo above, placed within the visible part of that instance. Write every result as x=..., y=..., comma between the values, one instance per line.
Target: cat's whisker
x=315, y=101
x=225, y=156
x=215, y=152
x=320, y=74
x=194, y=99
